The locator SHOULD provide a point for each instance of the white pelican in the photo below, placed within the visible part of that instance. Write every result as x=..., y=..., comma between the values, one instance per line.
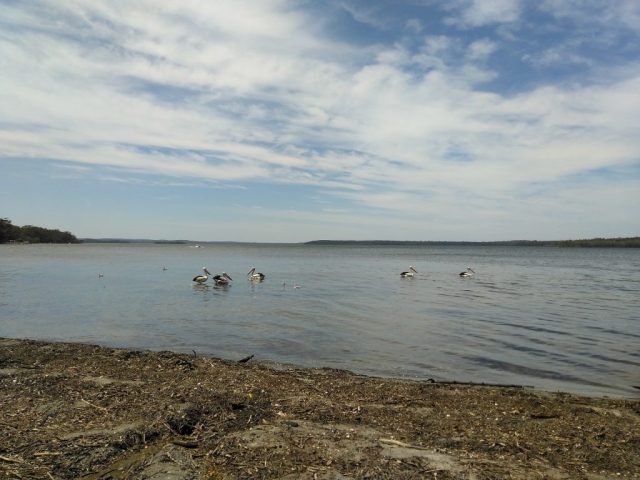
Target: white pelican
x=409, y=273
x=256, y=276
x=202, y=278
x=222, y=279
x=296, y=287
x=468, y=273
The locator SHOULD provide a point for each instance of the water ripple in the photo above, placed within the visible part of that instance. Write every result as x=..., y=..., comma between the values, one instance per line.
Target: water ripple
x=557, y=319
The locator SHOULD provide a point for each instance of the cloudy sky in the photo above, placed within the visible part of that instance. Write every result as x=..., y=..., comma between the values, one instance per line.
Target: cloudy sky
x=288, y=121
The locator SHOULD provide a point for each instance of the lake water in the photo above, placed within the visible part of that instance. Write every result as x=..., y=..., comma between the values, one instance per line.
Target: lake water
x=557, y=319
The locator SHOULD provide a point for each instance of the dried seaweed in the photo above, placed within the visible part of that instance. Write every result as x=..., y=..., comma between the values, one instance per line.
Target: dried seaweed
x=83, y=411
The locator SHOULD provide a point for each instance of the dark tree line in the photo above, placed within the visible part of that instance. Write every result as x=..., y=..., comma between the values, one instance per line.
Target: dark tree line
x=32, y=234
x=629, y=242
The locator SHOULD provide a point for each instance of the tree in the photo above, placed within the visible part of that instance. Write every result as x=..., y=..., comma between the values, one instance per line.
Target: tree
x=7, y=230
x=33, y=234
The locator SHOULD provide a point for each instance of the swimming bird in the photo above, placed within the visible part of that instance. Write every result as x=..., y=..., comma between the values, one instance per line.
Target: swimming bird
x=256, y=276
x=296, y=287
x=409, y=273
x=100, y=275
x=164, y=268
x=468, y=273
x=222, y=279
x=202, y=278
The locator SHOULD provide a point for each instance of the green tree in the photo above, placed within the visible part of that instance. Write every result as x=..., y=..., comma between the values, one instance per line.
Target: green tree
x=33, y=234
x=7, y=230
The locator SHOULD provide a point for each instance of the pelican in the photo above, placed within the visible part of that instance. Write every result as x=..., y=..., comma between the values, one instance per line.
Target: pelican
x=100, y=275
x=409, y=273
x=296, y=287
x=202, y=278
x=164, y=268
x=222, y=279
x=468, y=273
x=256, y=276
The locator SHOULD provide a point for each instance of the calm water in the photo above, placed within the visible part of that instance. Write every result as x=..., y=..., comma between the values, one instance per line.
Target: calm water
x=558, y=319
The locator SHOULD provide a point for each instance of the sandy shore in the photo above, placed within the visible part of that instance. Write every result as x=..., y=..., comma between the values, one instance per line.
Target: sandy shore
x=83, y=411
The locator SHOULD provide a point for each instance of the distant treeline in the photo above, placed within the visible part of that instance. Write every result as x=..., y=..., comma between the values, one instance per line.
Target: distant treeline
x=105, y=240
x=31, y=234
x=133, y=240
x=630, y=242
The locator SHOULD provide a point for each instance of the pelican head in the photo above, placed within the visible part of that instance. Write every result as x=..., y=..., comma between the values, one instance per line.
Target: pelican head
x=470, y=270
x=412, y=269
x=252, y=271
x=224, y=274
x=206, y=271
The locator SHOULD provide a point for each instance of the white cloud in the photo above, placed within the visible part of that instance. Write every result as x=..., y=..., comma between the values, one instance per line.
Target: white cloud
x=477, y=13
x=222, y=93
x=481, y=49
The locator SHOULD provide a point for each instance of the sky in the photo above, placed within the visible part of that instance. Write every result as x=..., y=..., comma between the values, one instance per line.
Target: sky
x=290, y=121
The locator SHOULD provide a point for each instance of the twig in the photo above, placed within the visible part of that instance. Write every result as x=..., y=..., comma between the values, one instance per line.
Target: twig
x=391, y=441
x=11, y=460
x=185, y=444
x=94, y=406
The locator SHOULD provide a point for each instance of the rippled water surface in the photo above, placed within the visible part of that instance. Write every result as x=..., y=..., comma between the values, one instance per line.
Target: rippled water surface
x=558, y=319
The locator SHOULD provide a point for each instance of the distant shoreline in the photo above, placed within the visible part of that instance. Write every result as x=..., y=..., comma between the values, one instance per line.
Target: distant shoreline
x=631, y=242
x=628, y=242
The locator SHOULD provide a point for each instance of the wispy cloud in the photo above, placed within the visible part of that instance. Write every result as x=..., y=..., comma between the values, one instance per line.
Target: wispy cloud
x=429, y=119
x=477, y=13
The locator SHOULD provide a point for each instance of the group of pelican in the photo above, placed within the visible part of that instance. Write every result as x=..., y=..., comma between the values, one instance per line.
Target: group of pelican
x=224, y=278
x=410, y=273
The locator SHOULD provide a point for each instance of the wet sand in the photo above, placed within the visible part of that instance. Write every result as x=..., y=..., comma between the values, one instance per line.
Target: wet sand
x=84, y=411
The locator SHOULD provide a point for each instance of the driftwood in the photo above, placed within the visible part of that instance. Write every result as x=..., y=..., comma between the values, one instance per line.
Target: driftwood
x=475, y=384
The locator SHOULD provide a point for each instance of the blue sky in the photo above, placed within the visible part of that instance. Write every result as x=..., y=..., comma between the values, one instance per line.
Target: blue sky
x=288, y=121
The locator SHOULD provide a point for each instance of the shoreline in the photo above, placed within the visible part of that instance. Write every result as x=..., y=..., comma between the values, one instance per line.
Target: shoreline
x=84, y=411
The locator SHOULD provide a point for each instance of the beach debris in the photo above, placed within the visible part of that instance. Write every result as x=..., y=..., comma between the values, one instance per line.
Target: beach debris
x=180, y=443
x=245, y=359
x=264, y=422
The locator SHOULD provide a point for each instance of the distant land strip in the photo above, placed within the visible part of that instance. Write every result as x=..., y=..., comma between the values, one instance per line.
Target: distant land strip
x=629, y=242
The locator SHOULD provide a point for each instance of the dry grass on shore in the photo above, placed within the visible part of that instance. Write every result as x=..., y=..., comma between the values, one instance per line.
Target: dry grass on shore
x=83, y=411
